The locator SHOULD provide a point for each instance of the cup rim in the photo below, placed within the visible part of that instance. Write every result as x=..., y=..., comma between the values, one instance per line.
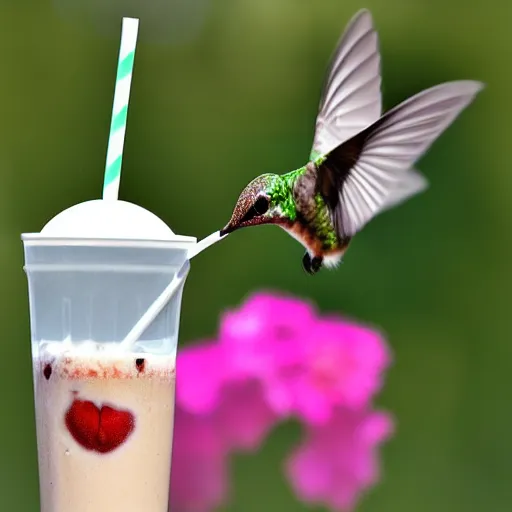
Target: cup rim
x=179, y=242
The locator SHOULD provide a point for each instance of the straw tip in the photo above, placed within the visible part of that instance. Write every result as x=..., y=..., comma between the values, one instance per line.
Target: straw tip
x=131, y=21
x=129, y=31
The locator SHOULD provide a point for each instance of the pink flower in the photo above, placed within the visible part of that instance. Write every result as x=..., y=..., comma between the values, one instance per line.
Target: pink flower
x=240, y=420
x=199, y=472
x=200, y=372
x=342, y=364
x=236, y=405
x=276, y=357
x=243, y=417
x=338, y=461
x=264, y=333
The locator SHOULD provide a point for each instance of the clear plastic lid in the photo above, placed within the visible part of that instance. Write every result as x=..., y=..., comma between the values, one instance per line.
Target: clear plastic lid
x=118, y=221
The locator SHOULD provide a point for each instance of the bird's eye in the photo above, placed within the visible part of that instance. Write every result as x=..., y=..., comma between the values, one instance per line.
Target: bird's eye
x=261, y=205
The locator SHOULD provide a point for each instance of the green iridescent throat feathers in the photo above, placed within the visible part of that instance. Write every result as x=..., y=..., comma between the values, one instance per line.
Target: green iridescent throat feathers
x=362, y=160
x=287, y=206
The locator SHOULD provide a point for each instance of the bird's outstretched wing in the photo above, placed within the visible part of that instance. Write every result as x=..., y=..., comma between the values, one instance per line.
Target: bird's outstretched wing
x=371, y=172
x=351, y=96
x=410, y=184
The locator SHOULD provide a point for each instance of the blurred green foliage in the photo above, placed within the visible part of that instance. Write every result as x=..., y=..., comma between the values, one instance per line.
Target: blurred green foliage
x=234, y=96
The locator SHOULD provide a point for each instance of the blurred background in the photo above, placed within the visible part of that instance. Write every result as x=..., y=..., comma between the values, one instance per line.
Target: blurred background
x=224, y=90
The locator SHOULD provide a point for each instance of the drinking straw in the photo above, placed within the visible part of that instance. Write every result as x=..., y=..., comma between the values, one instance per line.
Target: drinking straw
x=158, y=305
x=204, y=244
x=163, y=299
x=113, y=174
x=120, y=108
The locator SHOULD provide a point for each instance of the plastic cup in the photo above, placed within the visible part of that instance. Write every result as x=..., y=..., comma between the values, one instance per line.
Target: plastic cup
x=104, y=401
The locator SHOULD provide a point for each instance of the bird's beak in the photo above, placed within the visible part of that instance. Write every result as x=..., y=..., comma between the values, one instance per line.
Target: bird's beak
x=235, y=225
x=241, y=208
x=226, y=230
x=231, y=226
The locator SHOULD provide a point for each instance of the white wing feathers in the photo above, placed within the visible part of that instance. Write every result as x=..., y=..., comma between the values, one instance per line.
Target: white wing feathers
x=381, y=176
x=351, y=97
x=412, y=183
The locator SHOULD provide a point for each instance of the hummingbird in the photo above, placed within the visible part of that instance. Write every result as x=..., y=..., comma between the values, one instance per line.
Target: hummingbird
x=361, y=161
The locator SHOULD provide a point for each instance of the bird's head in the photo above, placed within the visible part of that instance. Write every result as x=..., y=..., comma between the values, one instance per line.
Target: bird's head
x=257, y=204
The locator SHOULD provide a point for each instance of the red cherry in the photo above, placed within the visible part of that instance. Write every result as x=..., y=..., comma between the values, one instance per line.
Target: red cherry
x=100, y=430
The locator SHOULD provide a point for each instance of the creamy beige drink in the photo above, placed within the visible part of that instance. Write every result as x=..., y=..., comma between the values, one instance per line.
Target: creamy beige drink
x=112, y=273
x=104, y=428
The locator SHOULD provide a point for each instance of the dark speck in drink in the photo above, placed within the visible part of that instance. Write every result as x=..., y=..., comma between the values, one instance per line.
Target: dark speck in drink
x=47, y=372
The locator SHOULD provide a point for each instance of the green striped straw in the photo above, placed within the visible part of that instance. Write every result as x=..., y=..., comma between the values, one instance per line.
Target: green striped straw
x=120, y=108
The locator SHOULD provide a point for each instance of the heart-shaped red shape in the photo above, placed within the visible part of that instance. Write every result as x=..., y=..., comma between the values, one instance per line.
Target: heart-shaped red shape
x=100, y=430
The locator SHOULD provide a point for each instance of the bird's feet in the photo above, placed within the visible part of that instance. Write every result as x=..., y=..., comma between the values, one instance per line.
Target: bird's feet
x=311, y=265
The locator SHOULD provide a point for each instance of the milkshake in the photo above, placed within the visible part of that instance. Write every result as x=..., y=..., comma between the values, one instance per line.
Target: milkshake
x=105, y=287
x=104, y=428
